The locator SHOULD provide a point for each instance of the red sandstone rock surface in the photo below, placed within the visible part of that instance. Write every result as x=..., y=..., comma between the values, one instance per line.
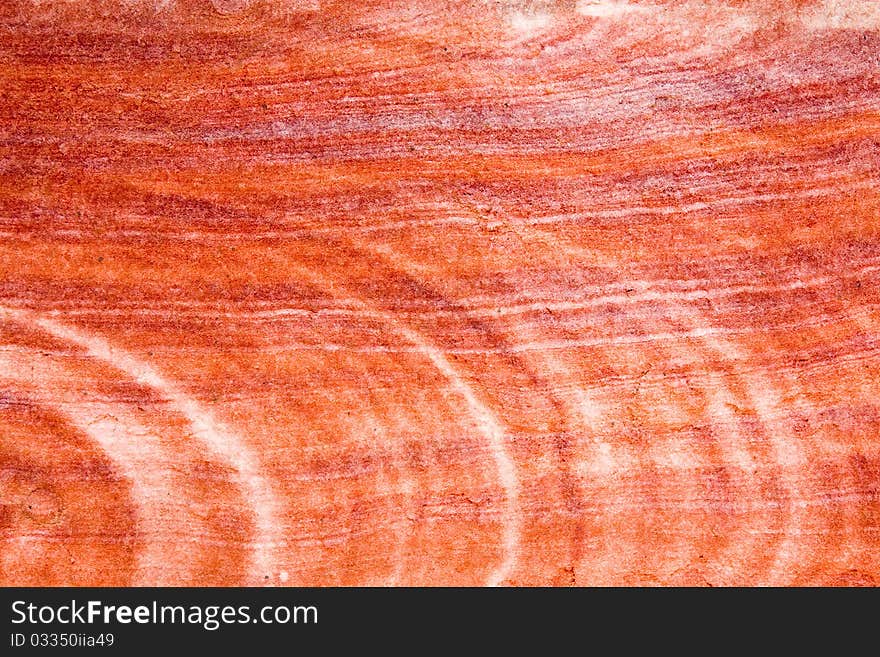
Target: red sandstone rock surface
x=439, y=292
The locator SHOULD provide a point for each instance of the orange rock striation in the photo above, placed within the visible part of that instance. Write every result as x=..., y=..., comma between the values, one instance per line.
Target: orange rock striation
x=457, y=292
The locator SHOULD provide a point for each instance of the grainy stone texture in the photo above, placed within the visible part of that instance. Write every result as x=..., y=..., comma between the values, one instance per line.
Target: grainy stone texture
x=439, y=292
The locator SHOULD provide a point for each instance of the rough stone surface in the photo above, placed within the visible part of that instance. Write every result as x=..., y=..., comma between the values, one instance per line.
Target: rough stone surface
x=409, y=292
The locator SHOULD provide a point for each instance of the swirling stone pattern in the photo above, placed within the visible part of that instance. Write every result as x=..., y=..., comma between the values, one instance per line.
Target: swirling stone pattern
x=451, y=292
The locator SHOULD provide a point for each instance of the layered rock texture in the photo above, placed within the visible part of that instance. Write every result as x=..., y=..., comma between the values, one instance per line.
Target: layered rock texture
x=450, y=292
